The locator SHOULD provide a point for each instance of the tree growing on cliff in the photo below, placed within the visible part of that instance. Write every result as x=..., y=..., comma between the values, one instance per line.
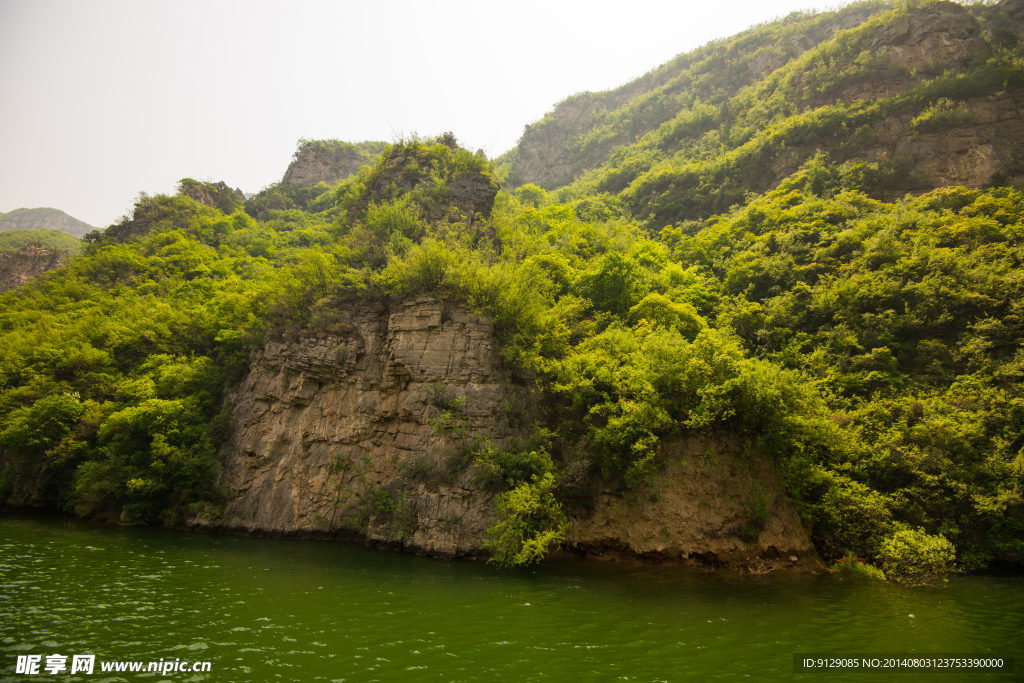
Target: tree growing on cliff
x=530, y=521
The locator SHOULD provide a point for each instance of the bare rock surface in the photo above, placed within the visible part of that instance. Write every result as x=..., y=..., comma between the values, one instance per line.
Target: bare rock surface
x=328, y=425
x=327, y=161
x=698, y=511
x=28, y=262
x=332, y=438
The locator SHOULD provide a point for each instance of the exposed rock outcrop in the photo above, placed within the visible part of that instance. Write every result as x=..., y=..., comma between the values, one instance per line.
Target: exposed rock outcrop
x=332, y=438
x=323, y=423
x=699, y=511
x=919, y=45
x=28, y=262
x=986, y=145
x=218, y=195
x=328, y=161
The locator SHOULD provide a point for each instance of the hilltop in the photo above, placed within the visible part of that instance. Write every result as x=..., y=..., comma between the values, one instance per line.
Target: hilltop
x=43, y=219
x=328, y=161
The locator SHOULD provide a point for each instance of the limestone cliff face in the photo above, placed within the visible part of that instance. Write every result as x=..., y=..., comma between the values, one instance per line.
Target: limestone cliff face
x=922, y=44
x=28, y=262
x=332, y=438
x=698, y=511
x=328, y=428
x=218, y=195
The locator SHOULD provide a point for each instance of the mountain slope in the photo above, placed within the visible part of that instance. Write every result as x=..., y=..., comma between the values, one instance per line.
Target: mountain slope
x=912, y=98
x=43, y=219
x=12, y=240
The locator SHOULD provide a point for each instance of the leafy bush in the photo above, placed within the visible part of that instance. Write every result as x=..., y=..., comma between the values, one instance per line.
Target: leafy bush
x=504, y=469
x=942, y=114
x=916, y=557
x=530, y=521
x=660, y=309
x=854, y=566
x=614, y=284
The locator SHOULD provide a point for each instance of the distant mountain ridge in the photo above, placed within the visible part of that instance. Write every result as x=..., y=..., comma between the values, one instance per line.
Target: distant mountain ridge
x=43, y=218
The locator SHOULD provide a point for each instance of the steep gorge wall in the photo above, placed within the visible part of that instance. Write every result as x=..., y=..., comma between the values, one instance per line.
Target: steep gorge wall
x=332, y=438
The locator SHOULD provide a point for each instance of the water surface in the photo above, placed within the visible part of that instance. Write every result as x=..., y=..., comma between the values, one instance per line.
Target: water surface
x=279, y=610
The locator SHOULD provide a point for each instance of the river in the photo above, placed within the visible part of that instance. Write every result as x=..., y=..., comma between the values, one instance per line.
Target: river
x=285, y=610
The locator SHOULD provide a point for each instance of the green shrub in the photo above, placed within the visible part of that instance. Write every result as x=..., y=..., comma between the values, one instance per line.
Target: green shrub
x=614, y=284
x=530, y=521
x=851, y=566
x=756, y=504
x=504, y=469
x=659, y=308
x=41, y=426
x=942, y=114
x=916, y=557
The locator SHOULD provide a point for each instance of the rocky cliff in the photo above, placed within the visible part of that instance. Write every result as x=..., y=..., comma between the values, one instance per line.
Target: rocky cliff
x=28, y=262
x=333, y=438
x=328, y=161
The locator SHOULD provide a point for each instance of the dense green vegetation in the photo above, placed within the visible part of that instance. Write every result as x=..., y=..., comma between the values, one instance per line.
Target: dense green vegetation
x=12, y=240
x=869, y=343
x=698, y=134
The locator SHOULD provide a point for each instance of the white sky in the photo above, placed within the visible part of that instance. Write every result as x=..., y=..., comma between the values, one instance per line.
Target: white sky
x=104, y=99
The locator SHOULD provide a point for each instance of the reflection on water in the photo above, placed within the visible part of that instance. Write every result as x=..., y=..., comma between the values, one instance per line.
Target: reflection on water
x=265, y=610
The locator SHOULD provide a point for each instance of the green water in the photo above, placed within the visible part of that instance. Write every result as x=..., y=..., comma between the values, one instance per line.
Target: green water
x=272, y=610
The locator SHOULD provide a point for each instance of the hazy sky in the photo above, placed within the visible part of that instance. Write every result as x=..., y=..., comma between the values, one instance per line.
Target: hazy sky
x=102, y=100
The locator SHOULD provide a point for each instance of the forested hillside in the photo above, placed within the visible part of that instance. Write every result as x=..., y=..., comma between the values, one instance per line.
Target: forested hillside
x=12, y=240
x=754, y=239
x=909, y=97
